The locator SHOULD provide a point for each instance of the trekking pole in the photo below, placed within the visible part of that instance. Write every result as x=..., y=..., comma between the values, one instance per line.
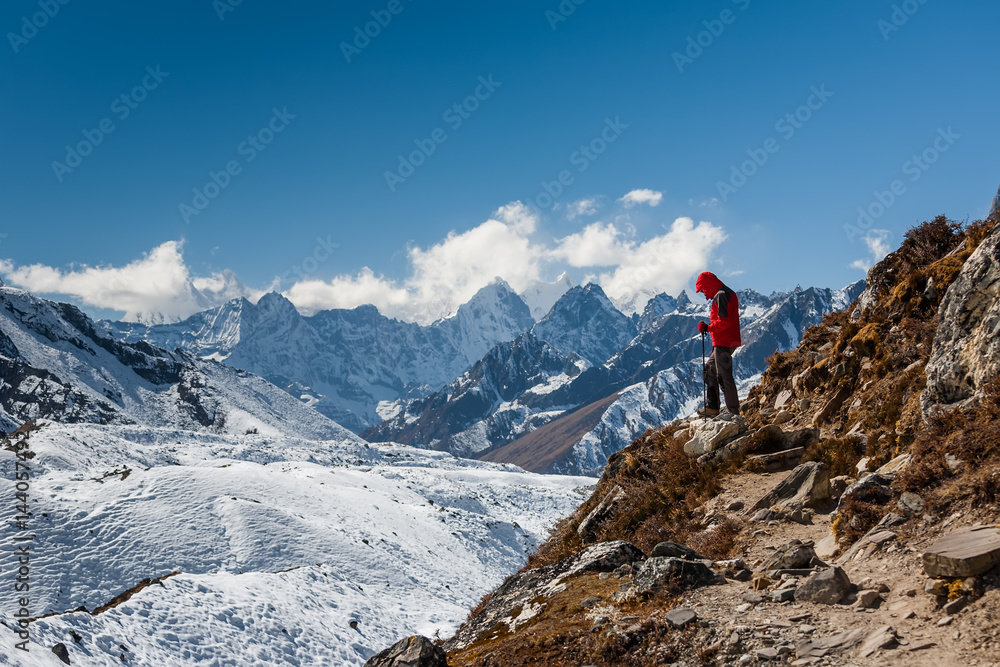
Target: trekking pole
x=703, y=383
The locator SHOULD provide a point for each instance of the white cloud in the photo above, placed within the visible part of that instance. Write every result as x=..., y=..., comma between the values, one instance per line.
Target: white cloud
x=661, y=264
x=156, y=287
x=636, y=197
x=584, y=207
x=596, y=245
x=438, y=278
x=443, y=276
x=877, y=241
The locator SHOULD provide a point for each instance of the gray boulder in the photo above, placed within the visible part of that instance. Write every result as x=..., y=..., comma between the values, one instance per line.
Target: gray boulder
x=828, y=586
x=658, y=573
x=808, y=485
x=415, y=651
x=674, y=550
x=794, y=555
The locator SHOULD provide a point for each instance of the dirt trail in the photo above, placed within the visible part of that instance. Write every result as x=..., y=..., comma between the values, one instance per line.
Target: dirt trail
x=926, y=637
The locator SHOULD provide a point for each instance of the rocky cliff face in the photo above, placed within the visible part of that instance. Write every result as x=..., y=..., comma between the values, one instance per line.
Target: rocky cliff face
x=966, y=351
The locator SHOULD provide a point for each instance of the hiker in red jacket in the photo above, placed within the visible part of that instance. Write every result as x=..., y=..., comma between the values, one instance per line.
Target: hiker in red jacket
x=725, y=330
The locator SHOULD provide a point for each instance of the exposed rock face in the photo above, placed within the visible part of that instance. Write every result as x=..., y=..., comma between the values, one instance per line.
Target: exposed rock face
x=528, y=591
x=966, y=348
x=415, y=651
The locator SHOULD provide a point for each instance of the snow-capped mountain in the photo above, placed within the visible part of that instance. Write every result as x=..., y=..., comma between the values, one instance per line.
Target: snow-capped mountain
x=56, y=364
x=651, y=379
x=344, y=363
x=585, y=322
x=541, y=296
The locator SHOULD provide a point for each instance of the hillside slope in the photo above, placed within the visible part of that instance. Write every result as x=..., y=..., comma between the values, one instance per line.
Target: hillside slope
x=852, y=398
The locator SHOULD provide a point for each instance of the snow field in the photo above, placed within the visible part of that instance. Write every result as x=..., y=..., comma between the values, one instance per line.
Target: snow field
x=280, y=544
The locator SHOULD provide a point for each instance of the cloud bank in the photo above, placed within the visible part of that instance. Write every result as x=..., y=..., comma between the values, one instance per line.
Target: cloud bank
x=160, y=287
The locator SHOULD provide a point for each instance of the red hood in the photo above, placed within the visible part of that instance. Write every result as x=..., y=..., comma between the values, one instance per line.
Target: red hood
x=708, y=284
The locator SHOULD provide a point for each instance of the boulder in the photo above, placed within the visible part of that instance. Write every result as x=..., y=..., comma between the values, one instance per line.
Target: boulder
x=657, y=573
x=966, y=348
x=828, y=586
x=964, y=553
x=415, y=651
x=808, y=485
x=870, y=488
x=710, y=434
x=794, y=555
x=895, y=465
x=783, y=397
x=674, y=550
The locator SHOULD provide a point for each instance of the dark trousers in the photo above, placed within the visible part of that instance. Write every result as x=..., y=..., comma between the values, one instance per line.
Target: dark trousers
x=719, y=371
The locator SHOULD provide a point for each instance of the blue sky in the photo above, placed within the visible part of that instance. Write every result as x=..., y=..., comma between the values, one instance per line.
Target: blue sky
x=210, y=85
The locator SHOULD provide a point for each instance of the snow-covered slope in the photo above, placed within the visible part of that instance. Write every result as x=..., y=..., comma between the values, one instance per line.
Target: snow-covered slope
x=345, y=363
x=286, y=551
x=54, y=363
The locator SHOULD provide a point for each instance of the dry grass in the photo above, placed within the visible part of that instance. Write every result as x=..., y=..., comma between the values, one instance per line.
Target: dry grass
x=971, y=436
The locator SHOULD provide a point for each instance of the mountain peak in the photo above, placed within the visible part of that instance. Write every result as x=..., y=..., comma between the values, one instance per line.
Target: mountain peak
x=541, y=296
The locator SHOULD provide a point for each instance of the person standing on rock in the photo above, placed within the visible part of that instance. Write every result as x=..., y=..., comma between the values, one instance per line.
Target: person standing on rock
x=724, y=326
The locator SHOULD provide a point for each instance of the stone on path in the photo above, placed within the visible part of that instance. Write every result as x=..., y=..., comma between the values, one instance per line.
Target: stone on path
x=678, y=618
x=808, y=485
x=828, y=586
x=965, y=553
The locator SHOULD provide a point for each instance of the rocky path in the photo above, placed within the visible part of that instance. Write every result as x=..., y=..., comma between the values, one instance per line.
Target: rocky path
x=887, y=616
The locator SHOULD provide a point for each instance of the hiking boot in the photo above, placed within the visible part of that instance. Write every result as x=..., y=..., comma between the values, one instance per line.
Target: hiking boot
x=708, y=412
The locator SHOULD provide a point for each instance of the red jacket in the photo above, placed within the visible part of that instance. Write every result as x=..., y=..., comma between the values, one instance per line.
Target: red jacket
x=725, y=312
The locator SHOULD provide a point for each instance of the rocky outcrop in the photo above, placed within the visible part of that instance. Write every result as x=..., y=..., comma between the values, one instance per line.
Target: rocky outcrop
x=415, y=651
x=966, y=349
x=524, y=595
x=707, y=435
